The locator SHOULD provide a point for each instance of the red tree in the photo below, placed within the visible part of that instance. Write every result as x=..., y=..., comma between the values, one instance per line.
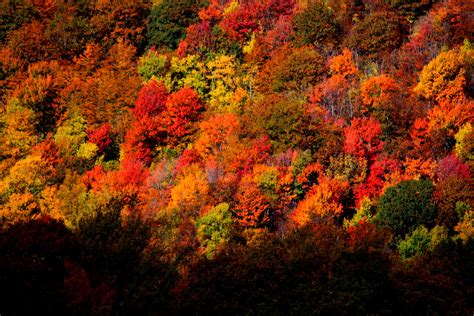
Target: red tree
x=151, y=100
x=102, y=137
x=183, y=108
x=362, y=138
x=452, y=166
x=161, y=119
x=375, y=182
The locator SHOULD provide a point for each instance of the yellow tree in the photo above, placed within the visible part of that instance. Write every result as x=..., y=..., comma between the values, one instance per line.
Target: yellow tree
x=444, y=80
x=225, y=93
x=443, y=77
x=189, y=71
x=20, y=189
x=465, y=142
x=191, y=191
x=18, y=133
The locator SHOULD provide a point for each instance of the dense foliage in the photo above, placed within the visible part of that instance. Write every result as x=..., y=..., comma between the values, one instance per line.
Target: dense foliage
x=236, y=157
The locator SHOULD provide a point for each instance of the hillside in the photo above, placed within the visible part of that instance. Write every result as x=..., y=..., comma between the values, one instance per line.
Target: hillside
x=236, y=157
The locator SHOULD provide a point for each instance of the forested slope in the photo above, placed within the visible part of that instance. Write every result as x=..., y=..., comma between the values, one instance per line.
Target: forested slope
x=236, y=157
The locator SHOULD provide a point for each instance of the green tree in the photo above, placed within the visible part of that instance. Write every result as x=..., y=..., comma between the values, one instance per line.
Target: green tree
x=169, y=19
x=315, y=25
x=214, y=229
x=421, y=240
x=415, y=244
x=151, y=65
x=406, y=206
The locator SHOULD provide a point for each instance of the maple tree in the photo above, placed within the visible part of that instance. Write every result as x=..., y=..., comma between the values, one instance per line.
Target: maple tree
x=161, y=118
x=324, y=199
x=362, y=138
x=263, y=47
x=366, y=236
x=151, y=100
x=242, y=21
x=102, y=137
x=380, y=174
x=182, y=110
x=376, y=92
x=147, y=130
x=127, y=183
x=217, y=133
x=332, y=96
x=334, y=93
x=452, y=166
x=253, y=208
x=198, y=39
x=343, y=64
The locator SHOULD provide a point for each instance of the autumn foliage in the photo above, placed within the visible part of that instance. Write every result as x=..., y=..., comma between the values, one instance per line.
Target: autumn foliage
x=236, y=157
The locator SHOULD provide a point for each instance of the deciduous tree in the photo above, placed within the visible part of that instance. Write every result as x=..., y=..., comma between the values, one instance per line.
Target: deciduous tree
x=362, y=138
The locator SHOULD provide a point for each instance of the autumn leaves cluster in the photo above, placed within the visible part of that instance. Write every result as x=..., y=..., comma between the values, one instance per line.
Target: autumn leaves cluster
x=276, y=109
x=220, y=122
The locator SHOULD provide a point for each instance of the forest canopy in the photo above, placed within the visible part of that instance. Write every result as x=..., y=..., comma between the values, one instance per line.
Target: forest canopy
x=236, y=157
